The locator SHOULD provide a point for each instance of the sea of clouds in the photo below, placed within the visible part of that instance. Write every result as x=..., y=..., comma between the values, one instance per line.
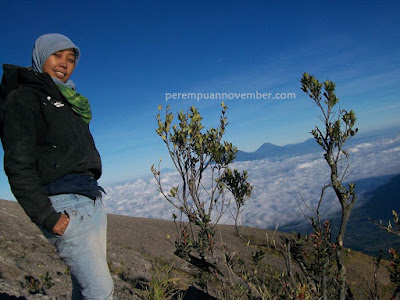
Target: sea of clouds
x=283, y=187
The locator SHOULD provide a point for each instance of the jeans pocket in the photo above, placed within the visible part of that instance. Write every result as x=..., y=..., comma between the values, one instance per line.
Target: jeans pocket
x=72, y=215
x=88, y=209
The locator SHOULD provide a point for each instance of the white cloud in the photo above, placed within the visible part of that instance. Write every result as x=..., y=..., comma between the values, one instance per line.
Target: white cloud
x=388, y=151
x=360, y=147
x=280, y=185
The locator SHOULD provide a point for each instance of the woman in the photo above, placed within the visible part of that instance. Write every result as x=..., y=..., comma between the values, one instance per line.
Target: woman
x=52, y=163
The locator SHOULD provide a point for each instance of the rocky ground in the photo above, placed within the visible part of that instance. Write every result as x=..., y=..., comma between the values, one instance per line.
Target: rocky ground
x=30, y=268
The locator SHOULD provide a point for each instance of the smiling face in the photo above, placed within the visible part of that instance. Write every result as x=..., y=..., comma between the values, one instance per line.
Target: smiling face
x=60, y=64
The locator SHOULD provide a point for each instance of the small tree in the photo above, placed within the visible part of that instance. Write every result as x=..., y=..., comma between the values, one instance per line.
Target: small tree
x=393, y=227
x=314, y=255
x=236, y=183
x=337, y=128
x=199, y=154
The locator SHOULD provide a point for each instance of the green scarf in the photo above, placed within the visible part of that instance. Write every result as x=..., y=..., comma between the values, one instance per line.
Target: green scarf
x=79, y=104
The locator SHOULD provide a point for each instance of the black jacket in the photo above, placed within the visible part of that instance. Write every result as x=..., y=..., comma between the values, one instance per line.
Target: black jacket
x=43, y=140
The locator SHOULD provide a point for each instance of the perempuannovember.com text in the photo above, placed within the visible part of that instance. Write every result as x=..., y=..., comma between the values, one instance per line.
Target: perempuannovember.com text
x=230, y=96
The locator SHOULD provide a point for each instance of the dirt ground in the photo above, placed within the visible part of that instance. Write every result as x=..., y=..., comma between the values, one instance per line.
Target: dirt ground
x=30, y=268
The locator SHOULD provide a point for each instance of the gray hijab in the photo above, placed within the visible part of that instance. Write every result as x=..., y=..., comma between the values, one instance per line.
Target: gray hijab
x=48, y=44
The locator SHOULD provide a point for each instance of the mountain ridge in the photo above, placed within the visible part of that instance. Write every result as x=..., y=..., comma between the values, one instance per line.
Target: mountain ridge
x=269, y=150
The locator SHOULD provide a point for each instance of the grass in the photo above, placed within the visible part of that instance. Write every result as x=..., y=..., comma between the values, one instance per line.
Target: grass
x=164, y=284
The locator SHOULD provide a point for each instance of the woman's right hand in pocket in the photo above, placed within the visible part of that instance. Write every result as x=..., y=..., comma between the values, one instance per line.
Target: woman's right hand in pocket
x=61, y=225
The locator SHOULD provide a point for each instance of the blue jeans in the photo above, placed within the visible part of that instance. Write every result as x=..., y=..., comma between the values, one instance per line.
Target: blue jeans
x=83, y=245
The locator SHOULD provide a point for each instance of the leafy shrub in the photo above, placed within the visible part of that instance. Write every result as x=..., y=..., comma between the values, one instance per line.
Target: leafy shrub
x=195, y=151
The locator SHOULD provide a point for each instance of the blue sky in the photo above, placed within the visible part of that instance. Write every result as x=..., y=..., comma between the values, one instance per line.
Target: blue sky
x=133, y=53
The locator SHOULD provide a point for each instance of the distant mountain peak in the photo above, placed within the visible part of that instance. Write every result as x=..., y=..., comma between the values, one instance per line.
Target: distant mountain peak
x=268, y=145
x=268, y=150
